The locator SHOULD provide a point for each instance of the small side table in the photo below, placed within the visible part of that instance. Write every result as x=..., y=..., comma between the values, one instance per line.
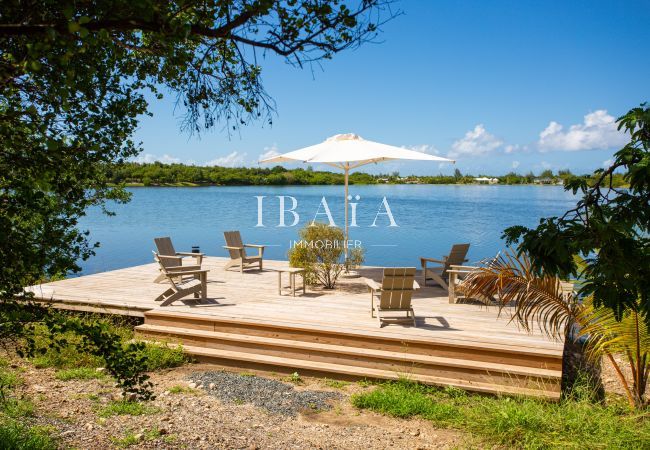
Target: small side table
x=292, y=271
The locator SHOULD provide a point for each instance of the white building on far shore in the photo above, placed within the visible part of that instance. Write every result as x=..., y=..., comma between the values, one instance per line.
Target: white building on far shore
x=486, y=180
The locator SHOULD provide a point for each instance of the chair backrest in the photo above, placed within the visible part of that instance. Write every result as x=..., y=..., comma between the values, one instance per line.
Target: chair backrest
x=166, y=262
x=162, y=262
x=233, y=239
x=165, y=246
x=456, y=256
x=397, y=288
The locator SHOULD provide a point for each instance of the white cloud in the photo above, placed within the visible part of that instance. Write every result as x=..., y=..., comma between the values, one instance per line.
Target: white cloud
x=233, y=159
x=608, y=163
x=475, y=142
x=598, y=131
x=510, y=148
x=150, y=158
x=269, y=152
x=515, y=164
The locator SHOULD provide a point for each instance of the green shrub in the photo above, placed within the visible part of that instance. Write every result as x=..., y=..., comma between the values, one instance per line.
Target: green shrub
x=319, y=251
x=60, y=349
x=356, y=257
x=294, y=378
x=161, y=356
x=88, y=341
x=514, y=422
x=67, y=356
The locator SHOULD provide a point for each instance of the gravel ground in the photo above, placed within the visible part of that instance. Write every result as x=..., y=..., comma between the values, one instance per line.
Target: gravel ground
x=240, y=411
x=190, y=418
x=272, y=395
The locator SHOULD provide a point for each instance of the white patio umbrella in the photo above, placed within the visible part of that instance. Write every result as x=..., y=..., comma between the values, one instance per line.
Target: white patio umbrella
x=349, y=151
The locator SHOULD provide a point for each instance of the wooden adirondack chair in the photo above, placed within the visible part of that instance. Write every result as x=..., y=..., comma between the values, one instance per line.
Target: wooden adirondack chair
x=456, y=275
x=439, y=273
x=183, y=280
x=393, y=294
x=172, y=257
x=237, y=251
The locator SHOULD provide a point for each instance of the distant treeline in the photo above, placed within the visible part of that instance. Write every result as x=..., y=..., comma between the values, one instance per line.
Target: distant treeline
x=159, y=174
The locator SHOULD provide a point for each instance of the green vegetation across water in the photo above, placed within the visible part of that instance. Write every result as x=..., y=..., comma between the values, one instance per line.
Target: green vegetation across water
x=514, y=422
x=159, y=174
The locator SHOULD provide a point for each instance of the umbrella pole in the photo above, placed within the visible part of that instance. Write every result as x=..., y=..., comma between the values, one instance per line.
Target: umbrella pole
x=345, y=248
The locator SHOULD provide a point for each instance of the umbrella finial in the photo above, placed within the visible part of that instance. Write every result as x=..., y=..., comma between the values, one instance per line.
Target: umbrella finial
x=345, y=137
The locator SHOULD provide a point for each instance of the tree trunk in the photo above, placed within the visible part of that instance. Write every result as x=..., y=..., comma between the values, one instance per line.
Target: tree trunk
x=580, y=376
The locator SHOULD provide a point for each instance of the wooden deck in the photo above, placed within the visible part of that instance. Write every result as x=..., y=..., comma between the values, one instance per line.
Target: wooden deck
x=246, y=321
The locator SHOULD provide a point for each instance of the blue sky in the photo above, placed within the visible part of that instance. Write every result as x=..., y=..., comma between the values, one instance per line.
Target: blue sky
x=497, y=85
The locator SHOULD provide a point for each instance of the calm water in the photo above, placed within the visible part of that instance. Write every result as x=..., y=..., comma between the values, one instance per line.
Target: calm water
x=429, y=217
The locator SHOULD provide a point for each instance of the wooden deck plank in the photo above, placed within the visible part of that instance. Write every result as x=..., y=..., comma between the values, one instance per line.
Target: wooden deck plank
x=253, y=295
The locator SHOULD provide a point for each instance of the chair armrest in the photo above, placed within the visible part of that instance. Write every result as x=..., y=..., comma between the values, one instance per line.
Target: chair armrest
x=465, y=268
x=423, y=260
x=372, y=284
x=254, y=245
x=182, y=268
x=228, y=247
x=190, y=272
x=168, y=257
x=189, y=254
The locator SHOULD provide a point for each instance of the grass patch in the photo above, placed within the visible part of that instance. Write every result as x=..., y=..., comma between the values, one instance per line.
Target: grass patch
x=11, y=405
x=17, y=408
x=126, y=408
x=130, y=438
x=182, y=390
x=364, y=383
x=17, y=435
x=335, y=384
x=9, y=379
x=170, y=438
x=79, y=373
x=14, y=432
x=514, y=422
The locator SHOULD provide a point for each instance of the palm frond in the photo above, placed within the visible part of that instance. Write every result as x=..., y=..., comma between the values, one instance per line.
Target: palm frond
x=629, y=336
x=538, y=301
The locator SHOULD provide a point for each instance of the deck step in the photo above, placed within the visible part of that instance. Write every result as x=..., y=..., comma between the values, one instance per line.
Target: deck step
x=500, y=354
x=211, y=354
x=256, y=343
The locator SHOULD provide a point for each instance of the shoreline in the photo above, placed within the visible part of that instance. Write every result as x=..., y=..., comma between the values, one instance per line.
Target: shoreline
x=198, y=185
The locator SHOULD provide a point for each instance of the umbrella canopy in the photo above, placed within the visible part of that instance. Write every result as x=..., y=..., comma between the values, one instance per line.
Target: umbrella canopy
x=349, y=151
